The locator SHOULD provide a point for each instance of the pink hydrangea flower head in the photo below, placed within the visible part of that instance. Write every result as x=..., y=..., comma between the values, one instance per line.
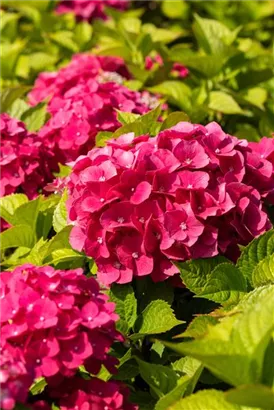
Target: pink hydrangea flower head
x=91, y=394
x=84, y=98
x=59, y=319
x=90, y=9
x=139, y=203
x=15, y=377
x=27, y=165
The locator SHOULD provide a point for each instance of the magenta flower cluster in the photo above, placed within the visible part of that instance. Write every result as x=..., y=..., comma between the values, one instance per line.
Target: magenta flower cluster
x=84, y=98
x=26, y=163
x=93, y=394
x=192, y=191
x=90, y=9
x=58, y=321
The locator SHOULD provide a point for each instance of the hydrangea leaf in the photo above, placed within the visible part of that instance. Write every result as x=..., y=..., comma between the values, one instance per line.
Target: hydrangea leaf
x=38, y=386
x=9, y=95
x=102, y=137
x=176, y=92
x=127, y=117
x=9, y=204
x=173, y=119
x=158, y=317
x=234, y=349
x=27, y=213
x=254, y=252
x=226, y=285
x=60, y=214
x=198, y=327
x=207, y=399
x=20, y=235
x=161, y=379
x=264, y=272
x=126, y=303
x=224, y=103
x=35, y=117
x=253, y=395
x=196, y=273
x=17, y=108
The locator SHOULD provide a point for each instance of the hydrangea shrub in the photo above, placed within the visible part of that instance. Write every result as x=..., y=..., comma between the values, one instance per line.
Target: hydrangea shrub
x=84, y=99
x=192, y=191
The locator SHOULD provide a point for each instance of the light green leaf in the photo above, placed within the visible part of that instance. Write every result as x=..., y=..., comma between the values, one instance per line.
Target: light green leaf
x=17, y=108
x=207, y=400
x=263, y=274
x=9, y=95
x=83, y=33
x=256, y=96
x=126, y=117
x=27, y=213
x=20, y=235
x=160, y=34
x=177, y=93
x=65, y=255
x=64, y=39
x=174, y=9
x=143, y=125
x=253, y=395
x=226, y=285
x=158, y=317
x=195, y=273
x=254, y=252
x=161, y=379
x=9, y=56
x=212, y=35
x=35, y=117
x=224, y=103
x=60, y=214
x=41, y=61
x=126, y=303
x=198, y=327
x=9, y=204
x=173, y=119
x=102, y=137
x=38, y=386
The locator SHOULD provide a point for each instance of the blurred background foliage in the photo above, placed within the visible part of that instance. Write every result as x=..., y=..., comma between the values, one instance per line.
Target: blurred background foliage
x=226, y=46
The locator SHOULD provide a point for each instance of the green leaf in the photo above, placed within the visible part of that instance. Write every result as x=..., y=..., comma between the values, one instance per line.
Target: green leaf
x=27, y=213
x=173, y=119
x=143, y=125
x=158, y=317
x=38, y=386
x=212, y=35
x=234, y=349
x=254, y=252
x=126, y=303
x=9, y=95
x=83, y=33
x=41, y=61
x=198, y=327
x=174, y=10
x=9, y=57
x=256, y=96
x=161, y=379
x=126, y=117
x=263, y=274
x=35, y=117
x=17, y=108
x=207, y=400
x=226, y=285
x=20, y=235
x=251, y=78
x=64, y=39
x=224, y=103
x=60, y=214
x=65, y=255
x=253, y=395
x=9, y=204
x=177, y=93
x=102, y=137
x=196, y=273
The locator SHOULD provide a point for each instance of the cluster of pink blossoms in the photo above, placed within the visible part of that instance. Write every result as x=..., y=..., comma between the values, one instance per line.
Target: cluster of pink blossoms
x=178, y=69
x=192, y=191
x=58, y=321
x=93, y=394
x=26, y=163
x=90, y=9
x=84, y=98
